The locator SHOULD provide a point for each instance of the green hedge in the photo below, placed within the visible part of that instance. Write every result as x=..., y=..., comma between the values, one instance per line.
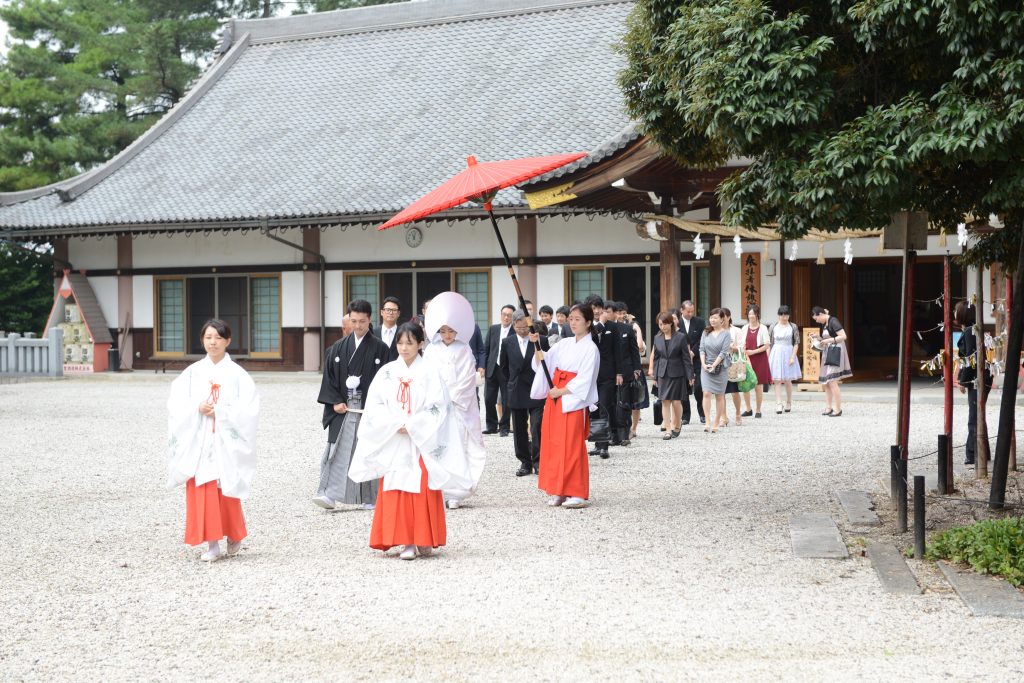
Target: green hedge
x=995, y=546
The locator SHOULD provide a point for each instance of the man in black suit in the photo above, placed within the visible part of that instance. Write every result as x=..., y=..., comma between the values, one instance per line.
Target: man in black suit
x=390, y=311
x=618, y=312
x=614, y=365
x=494, y=389
x=692, y=328
x=517, y=369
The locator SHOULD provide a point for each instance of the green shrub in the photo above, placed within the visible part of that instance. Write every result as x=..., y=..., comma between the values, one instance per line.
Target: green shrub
x=994, y=546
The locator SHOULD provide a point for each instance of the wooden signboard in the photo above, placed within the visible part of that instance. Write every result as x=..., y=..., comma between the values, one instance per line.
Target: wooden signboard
x=750, y=283
x=811, y=357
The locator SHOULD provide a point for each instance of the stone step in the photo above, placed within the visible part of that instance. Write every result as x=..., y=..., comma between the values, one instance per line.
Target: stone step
x=815, y=535
x=858, y=507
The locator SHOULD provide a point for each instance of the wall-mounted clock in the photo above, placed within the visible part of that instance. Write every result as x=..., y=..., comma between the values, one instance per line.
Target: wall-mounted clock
x=414, y=237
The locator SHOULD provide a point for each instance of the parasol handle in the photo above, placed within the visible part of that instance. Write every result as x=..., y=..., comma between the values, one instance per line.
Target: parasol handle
x=519, y=290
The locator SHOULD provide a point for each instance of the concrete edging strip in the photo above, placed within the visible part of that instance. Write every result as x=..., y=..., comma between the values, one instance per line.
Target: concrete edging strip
x=892, y=569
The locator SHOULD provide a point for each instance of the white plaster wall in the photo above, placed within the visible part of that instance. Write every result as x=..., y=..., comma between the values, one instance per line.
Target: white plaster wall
x=93, y=254
x=334, y=306
x=502, y=292
x=731, y=295
x=291, y=298
x=551, y=285
x=142, y=301
x=105, y=289
x=771, y=286
x=440, y=241
x=578, y=235
x=218, y=249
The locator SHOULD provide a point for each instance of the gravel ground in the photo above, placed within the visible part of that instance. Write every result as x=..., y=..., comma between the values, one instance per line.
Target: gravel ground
x=681, y=568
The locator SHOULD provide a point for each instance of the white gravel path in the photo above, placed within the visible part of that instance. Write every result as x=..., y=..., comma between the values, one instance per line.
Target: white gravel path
x=681, y=569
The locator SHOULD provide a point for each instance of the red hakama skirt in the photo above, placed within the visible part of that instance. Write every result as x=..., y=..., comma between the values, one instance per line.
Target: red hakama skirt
x=210, y=515
x=403, y=518
x=564, y=470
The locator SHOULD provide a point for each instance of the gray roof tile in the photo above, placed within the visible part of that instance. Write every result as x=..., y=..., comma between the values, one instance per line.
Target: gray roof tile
x=366, y=122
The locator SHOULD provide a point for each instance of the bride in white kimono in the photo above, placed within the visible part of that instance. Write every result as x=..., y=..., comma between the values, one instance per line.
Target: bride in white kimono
x=410, y=439
x=213, y=414
x=449, y=325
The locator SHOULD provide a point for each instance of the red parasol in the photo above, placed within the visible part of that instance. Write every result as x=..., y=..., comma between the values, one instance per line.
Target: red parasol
x=479, y=183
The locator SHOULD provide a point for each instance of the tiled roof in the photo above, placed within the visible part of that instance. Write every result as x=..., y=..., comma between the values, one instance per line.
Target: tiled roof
x=352, y=115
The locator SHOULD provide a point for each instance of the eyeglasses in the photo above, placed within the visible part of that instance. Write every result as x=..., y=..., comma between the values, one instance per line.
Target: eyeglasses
x=391, y=310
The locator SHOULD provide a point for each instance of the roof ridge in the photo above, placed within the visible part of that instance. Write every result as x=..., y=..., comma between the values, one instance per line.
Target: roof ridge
x=71, y=188
x=395, y=16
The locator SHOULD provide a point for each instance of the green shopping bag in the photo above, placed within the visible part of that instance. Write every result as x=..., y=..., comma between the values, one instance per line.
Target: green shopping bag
x=749, y=382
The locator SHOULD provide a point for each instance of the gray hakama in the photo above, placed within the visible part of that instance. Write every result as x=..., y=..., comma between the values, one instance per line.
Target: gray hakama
x=334, y=481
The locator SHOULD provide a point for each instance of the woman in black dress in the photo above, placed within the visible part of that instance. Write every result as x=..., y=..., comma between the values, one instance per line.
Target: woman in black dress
x=672, y=370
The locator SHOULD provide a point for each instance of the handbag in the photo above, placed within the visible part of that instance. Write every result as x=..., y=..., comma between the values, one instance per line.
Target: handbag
x=749, y=381
x=600, y=428
x=833, y=355
x=658, y=418
x=738, y=369
x=638, y=393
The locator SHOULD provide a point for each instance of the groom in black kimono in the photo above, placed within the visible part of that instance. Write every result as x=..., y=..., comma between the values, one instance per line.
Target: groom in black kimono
x=359, y=355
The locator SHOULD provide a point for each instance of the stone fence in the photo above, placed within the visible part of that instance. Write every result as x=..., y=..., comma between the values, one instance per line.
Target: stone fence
x=26, y=355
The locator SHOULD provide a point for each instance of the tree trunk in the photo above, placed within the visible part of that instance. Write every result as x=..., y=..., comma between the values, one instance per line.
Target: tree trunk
x=266, y=9
x=1000, y=467
x=981, y=454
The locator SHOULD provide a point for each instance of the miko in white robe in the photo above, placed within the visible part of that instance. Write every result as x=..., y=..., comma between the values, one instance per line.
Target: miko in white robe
x=218, y=449
x=413, y=465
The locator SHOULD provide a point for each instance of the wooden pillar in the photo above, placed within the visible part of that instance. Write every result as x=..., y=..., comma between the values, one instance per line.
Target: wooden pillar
x=668, y=262
x=526, y=271
x=312, y=299
x=125, y=302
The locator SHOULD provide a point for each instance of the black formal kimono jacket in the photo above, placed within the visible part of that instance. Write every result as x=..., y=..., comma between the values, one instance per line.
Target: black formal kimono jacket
x=344, y=360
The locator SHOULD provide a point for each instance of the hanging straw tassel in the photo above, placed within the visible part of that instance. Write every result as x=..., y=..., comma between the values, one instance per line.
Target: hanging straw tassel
x=717, y=251
x=765, y=255
x=821, y=253
x=942, y=238
x=881, y=244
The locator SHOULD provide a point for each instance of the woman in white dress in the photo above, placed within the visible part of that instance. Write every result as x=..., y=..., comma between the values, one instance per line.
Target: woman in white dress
x=213, y=412
x=784, y=358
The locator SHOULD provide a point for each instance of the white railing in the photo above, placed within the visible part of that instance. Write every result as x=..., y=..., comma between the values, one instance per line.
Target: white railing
x=29, y=356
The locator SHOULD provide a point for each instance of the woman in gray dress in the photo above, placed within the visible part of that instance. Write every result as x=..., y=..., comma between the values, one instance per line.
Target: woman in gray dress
x=715, y=345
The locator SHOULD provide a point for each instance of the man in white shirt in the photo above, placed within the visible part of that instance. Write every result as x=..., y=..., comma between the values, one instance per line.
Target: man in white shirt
x=389, y=313
x=494, y=386
x=517, y=370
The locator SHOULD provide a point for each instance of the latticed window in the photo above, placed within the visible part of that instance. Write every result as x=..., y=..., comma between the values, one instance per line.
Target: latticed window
x=475, y=286
x=363, y=286
x=171, y=309
x=585, y=281
x=266, y=315
x=251, y=305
